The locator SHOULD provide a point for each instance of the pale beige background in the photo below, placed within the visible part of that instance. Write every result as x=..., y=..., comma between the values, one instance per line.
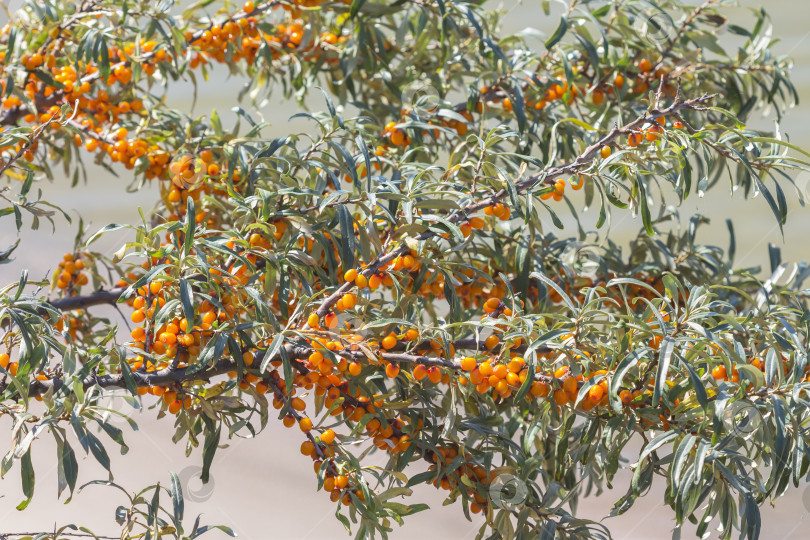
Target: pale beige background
x=264, y=488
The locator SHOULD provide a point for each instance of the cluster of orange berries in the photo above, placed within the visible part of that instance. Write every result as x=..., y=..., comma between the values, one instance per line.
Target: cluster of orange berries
x=559, y=188
x=459, y=126
x=468, y=477
x=645, y=76
x=7, y=364
x=171, y=337
x=122, y=72
x=720, y=372
x=396, y=136
x=499, y=210
x=73, y=321
x=69, y=275
x=100, y=113
x=123, y=150
x=191, y=177
x=328, y=379
x=433, y=284
x=213, y=42
x=501, y=378
x=174, y=399
x=341, y=487
x=649, y=133
x=381, y=277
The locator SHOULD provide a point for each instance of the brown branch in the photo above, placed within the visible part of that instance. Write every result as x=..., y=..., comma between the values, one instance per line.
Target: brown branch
x=101, y=296
x=162, y=377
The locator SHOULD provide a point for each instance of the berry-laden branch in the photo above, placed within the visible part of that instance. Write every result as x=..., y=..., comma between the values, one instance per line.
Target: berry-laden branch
x=163, y=377
x=590, y=153
x=547, y=176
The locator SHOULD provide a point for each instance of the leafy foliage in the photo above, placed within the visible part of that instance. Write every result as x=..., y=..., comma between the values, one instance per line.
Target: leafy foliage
x=386, y=279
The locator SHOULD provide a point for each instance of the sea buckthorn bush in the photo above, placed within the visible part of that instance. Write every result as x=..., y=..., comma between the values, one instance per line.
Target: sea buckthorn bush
x=397, y=278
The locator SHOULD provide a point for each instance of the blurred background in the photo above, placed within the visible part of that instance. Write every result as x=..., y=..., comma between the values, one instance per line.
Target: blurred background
x=265, y=488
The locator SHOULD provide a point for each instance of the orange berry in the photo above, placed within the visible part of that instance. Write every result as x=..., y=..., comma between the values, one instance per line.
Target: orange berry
x=305, y=424
x=420, y=372
x=315, y=358
x=539, y=389
x=328, y=436
x=341, y=482
x=307, y=448
x=570, y=384
x=492, y=341
x=392, y=370
x=331, y=321
x=389, y=342
x=468, y=363
x=596, y=393
x=605, y=152
x=560, y=397
x=491, y=305
x=349, y=300
x=719, y=372
x=313, y=321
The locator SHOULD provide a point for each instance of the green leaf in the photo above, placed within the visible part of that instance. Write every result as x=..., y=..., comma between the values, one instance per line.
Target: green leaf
x=209, y=450
x=187, y=299
x=347, y=237
x=27, y=473
x=191, y=224
x=177, y=500
x=664, y=357
x=558, y=33
x=644, y=206
x=67, y=467
x=105, y=229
